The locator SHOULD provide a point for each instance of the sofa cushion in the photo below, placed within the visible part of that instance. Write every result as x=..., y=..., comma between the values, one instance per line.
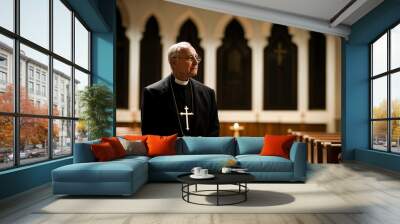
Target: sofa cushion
x=277, y=145
x=136, y=137
x=257, y=163
x=103, y=152
x=112, y=171
x=132, y=157
x=136, y=147
x=185, y=163
x=161, y=145
x=206, y=145
x=249, y=145
x=116, y=145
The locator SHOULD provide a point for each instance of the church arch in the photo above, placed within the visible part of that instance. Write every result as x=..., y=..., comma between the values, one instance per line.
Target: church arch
x=280, y=70
x=122, y=60
x=188, y=32
x=234, y=69
x=221, y=25
x=189, y=15
x=317, y=71
x=150, y=51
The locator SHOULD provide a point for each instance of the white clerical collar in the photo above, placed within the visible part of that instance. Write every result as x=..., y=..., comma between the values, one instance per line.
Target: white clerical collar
x=180, y=82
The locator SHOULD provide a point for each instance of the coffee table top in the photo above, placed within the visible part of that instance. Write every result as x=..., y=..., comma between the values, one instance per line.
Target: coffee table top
x=220, y=178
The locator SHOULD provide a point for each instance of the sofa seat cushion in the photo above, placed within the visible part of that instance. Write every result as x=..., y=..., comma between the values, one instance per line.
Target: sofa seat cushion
x=257, y=163
x=134, y=157
x=185, y=163
x=112, y=171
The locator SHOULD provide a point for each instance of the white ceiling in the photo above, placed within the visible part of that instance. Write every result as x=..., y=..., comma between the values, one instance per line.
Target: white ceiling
x=316, y=15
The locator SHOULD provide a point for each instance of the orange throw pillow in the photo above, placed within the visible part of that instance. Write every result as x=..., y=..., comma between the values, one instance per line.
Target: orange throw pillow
x=161, y=145
x=116, y=145
x=103, y=152
x=136, y=138
x=277, y=145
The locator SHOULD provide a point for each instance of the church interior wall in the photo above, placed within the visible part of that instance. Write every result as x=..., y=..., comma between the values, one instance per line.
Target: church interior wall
x=211, y=27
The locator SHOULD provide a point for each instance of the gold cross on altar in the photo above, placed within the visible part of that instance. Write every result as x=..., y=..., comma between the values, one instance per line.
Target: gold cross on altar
x=186, y=114
x=280, y=53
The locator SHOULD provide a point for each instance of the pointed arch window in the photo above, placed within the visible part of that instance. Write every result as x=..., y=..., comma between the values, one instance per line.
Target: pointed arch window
x=280, y=71
x=317, y=72
x=188, y=32
x=150, y=55
x=122, y=65
x=234, y=70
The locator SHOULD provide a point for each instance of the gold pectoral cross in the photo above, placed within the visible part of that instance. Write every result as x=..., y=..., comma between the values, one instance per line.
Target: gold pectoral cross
x=186, y=114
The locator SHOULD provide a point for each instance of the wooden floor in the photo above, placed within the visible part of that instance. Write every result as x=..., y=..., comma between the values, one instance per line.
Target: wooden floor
x=377, y=188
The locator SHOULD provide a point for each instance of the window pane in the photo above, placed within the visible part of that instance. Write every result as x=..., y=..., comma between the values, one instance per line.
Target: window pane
x=7, y=14
x=33, y=139
x=35, y=21
x=6, y=74
x=81, y=81
x=62, y=138
x=81, y=132
x=34, y=97
x=395, y=136
x=62, y=89
x=379, y=97
x=395, y=47
x=62, y=29
x=81, y=45
x=6, y=142
x=379, y=55
x=395, y=94
x=379, y=135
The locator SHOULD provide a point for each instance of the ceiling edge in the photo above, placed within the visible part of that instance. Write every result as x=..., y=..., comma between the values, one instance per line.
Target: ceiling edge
x=268, y=15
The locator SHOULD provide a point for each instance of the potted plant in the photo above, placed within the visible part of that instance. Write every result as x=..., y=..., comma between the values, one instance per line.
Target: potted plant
x=96, y=103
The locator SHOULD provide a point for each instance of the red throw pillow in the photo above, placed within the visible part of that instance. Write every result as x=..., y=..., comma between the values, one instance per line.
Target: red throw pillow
x=277, y=145
x=103, y=152
x=161, y=145
x=116, y=145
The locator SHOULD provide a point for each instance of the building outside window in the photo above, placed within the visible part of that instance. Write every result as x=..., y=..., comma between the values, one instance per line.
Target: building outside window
x=3, y=72
x=3, y=78
x=30, y=87
x=37, y=75
x=30, y=72
x=3, y=61
x=43, y=90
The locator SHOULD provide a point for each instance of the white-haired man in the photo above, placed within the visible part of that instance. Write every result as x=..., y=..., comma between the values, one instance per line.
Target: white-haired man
x=178, y=103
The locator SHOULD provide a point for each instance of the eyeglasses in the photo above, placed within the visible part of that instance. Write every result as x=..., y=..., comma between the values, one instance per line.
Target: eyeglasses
x=192, y=58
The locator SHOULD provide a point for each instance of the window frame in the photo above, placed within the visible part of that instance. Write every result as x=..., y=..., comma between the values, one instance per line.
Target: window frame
x=16, y=114
x=388, y=74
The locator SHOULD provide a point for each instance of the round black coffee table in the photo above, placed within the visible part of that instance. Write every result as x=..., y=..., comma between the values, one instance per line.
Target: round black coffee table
x=238, y=179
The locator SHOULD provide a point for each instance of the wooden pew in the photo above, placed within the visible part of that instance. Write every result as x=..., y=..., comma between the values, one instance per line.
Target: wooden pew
x=321, y=147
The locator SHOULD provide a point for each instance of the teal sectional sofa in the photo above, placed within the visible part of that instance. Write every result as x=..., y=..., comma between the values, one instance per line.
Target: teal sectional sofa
x=125, y=176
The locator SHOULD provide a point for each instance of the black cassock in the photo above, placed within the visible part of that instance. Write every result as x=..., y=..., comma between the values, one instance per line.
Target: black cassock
x=163, y=102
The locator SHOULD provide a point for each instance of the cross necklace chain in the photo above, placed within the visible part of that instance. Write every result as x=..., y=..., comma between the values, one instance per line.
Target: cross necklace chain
x=186, y=113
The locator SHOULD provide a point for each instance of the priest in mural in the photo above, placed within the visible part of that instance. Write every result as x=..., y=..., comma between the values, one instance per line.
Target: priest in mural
x=178, y=103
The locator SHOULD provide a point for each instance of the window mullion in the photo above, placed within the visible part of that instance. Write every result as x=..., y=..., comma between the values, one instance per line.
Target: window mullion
x=389, y=93
x=16, y=70
x=50, y=81
x=73, y=82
